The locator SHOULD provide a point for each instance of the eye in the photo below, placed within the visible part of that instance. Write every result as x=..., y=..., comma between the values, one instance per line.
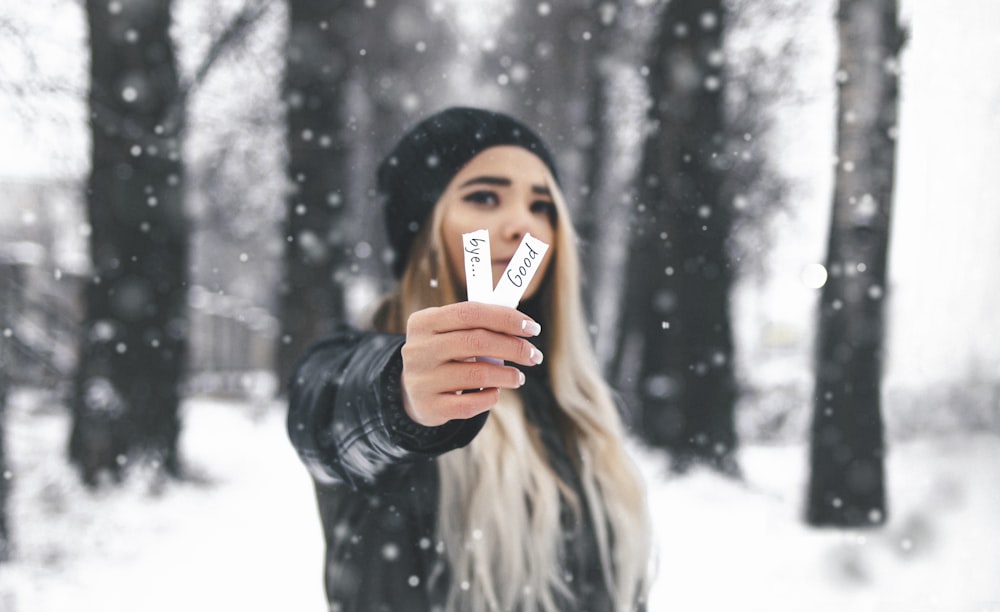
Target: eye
x=544, y=207
x=486, y=198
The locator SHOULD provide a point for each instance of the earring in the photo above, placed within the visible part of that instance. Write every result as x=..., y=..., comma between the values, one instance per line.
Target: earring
x=432, y=264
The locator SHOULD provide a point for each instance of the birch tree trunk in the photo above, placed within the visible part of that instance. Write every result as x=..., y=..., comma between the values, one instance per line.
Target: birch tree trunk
x=847, y=477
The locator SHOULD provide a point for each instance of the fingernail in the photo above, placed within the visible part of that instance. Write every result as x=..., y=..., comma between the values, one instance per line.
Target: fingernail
x=520, y=378
x=535, y=356
x=531, y=327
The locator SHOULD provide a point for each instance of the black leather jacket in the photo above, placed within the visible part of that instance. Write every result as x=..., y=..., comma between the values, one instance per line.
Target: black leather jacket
x=377, y=480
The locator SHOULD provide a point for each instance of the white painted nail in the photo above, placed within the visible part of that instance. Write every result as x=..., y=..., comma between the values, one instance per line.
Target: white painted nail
x=536, y=356
x=531, y=327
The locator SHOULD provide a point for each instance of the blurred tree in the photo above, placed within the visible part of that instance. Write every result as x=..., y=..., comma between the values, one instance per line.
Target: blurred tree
x=847, y=474
x=134, y=336
x=347, y=101
x=404, y=78
x=410, y=74
x=575, y=71
x=546, y=61
x=542, y=57
x=759, y=82
x=676, y=326
x=619, y=104
x=133, y=341
x=572, y=70
x=318, y=59
x=5, y=474
x=5, y=367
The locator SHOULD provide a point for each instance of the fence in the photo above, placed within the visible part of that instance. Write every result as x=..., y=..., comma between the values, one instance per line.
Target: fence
x=39, y=323
x=231, y=346
x=230, y=341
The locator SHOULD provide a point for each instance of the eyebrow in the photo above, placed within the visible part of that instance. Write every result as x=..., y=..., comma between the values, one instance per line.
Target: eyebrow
x=487, y=180
x=500, y=181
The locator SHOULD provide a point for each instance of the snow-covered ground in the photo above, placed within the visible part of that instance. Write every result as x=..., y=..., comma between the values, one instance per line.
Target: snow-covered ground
x=243, y=535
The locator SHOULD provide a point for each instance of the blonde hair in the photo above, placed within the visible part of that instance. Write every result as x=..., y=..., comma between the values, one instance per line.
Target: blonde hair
x=499, y=515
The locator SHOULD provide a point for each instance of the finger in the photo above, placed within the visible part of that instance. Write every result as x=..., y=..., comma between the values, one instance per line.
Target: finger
x=465, y=345
x=460, y=376
x=466, y=405
x=473, y=315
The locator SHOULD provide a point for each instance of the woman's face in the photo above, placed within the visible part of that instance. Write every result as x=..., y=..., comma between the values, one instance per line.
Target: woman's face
x=503, y=190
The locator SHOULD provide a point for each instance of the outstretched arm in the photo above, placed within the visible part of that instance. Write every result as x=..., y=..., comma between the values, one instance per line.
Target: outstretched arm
x=345, y=412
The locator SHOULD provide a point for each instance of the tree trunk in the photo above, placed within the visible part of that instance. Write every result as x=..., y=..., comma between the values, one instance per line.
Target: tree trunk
x=543, y=58
x=317, y=258
x=5, y=474
x=847, y=477
x=6, y=288
x=356, y=75
x=397, y=82
x=677, y=322
x=571, y=71
x=134, y=338
x=618, y=115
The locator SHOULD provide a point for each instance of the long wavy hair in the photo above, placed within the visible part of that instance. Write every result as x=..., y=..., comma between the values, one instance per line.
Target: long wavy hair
x=499, y=515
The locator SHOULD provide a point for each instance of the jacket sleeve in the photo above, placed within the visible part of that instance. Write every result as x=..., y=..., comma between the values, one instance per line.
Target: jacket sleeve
x=346, y=416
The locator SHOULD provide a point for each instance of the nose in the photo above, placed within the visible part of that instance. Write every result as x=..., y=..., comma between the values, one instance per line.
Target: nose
x=516, y=223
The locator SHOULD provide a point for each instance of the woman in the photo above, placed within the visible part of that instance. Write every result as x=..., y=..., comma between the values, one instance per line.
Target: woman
x=449, y=483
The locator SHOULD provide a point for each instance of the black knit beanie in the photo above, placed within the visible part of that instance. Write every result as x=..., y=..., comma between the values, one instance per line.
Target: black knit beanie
x=413, y=175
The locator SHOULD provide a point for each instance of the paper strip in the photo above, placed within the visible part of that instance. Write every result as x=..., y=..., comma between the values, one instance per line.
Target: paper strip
x=515, y=279
x=478, y=266
x=521, y=269
x=479, y=272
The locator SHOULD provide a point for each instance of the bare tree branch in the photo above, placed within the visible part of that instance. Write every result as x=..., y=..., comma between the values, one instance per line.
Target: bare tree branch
x=231, y=35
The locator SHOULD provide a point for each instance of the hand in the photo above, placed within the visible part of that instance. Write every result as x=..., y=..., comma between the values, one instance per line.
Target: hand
x=439, y=359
